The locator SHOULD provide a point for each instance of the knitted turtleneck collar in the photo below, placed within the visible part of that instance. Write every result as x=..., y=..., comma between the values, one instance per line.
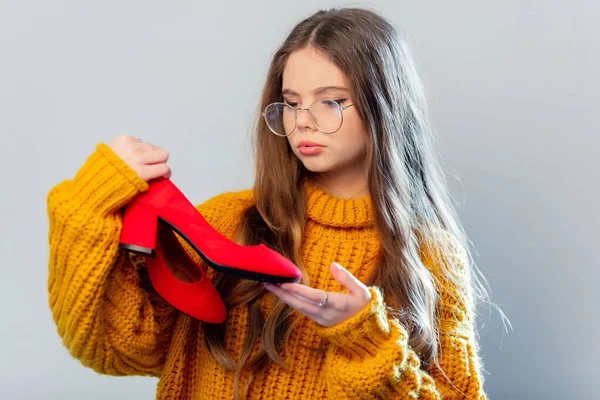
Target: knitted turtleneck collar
x=333, y=211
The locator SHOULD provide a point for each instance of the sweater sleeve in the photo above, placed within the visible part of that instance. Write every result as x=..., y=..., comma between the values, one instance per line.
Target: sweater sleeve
x=105, y=309
x=370, y=356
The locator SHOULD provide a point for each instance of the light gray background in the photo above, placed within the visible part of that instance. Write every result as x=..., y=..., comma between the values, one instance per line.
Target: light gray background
x=514, y=96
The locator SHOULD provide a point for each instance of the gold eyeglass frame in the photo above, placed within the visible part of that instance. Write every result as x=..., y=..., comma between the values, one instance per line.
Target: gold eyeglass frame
x=342, y=109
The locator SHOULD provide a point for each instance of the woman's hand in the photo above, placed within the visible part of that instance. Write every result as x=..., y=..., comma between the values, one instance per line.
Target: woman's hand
x=148, y=160
x=338, y=307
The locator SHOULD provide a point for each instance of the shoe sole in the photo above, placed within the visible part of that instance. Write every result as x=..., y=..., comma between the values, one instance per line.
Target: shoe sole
x=238, y=273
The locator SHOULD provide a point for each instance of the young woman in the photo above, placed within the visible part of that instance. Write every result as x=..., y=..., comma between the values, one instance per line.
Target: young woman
x=347, y=187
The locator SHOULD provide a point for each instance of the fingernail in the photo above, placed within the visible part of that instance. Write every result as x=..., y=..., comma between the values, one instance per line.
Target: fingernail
x=338, y=266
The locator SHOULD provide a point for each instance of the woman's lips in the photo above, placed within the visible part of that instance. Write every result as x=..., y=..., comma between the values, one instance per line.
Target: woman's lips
x=307, y=147
x=307, y=143
x=308, y=150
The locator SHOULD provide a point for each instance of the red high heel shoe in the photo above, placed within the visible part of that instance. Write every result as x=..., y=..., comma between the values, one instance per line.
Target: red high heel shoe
x=181, y=281
x=164, y=201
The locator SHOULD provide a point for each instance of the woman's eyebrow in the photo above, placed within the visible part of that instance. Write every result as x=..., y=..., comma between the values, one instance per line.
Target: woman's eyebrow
x=318, y=90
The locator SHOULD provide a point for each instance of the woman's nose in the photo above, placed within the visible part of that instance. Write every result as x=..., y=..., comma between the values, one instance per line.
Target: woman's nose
x=304, y=120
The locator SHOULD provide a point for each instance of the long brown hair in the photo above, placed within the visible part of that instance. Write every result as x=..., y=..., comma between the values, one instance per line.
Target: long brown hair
x=410, y=199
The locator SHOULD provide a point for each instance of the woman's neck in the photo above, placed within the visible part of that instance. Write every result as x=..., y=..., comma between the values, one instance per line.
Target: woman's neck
x=343, y=186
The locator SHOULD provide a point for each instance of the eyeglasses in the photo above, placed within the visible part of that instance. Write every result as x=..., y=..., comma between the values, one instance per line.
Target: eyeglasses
x=327, y=115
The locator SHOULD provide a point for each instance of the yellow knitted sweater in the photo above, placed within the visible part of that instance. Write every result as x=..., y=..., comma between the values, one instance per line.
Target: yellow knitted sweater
x=111, y=319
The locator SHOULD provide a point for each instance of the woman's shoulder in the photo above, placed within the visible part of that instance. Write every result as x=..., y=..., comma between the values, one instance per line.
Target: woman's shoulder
x=226, y=205
x=229, y=198
x=441, y=248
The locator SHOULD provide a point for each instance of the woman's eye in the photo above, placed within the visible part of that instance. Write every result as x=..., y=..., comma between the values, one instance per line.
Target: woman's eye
x=334, y=103
x=339, y=101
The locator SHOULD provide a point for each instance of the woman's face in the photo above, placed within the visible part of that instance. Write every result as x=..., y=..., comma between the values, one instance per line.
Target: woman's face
x=309, y=76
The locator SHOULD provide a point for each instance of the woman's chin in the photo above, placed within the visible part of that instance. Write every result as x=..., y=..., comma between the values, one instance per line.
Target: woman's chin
x=315, y=166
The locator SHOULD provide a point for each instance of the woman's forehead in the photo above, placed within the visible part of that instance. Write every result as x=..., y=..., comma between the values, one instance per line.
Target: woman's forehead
x=307, y=72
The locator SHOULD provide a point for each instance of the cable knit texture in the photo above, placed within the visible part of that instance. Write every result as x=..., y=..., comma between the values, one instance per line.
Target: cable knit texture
x=112, y=320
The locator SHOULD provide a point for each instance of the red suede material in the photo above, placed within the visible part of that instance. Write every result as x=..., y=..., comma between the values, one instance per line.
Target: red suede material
x=199, y=299
x=139, y=226
x=165, y=200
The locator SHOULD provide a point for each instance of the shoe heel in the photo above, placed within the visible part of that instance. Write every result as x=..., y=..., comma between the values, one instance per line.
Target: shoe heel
x=139, y=230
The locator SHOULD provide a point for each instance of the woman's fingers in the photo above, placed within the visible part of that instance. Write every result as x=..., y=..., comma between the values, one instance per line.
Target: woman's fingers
x=300, y=304
x=314, y=295
x=155, y=156
x=350, y=282
x=156, y=170
x=146, y=159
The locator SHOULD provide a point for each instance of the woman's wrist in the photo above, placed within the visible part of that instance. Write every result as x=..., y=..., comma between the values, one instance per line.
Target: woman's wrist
x=363, y=332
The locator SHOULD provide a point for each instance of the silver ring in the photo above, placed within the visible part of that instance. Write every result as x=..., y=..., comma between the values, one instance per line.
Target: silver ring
x=324, y=302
